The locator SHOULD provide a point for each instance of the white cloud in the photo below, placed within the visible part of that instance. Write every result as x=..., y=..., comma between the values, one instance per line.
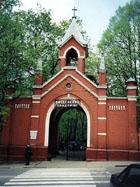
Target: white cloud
x=61, y=9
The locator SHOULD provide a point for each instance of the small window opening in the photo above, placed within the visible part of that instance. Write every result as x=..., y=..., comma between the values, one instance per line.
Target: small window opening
x=71, y=58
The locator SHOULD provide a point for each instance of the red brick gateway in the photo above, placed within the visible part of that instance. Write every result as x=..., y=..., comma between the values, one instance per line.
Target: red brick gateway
x=111, y=121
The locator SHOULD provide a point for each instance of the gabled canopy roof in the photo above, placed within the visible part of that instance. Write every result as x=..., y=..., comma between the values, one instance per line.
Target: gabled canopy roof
x=131, y=80
x=73, y=31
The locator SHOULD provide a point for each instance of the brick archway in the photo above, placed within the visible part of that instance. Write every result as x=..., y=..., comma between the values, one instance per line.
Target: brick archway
x=47, y=123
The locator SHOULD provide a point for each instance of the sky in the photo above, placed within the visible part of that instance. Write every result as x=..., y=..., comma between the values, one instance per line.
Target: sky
x=94, y=13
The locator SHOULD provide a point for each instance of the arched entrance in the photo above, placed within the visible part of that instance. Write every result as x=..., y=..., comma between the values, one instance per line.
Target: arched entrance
x=68, y=133
x=71, y=137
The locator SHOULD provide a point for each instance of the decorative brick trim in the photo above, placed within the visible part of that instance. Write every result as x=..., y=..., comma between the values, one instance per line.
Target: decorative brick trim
x=102, y=118
x=35, y=101
x=131, y=87
x=132, y=98
x=117, y=107
x=36, y=97
x=71, y=47
x=102, y=133
x=102, y=98
x=116, y=97
x=34, y=116
x=22, y=106
x=102, y=103
x=77, y=80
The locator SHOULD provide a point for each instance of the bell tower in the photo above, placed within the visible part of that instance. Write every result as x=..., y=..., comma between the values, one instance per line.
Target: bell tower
x=73, y=48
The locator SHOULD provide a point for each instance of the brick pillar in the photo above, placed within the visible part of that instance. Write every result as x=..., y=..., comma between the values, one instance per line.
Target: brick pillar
x=131, y=95
x=81, y=65
x=132, y=119
x=102, y=126
x=39, y=76
x=35, y=114
x=102, y=114
x=102, y=72
x=102, y=78
x=62, y=63
x=38, y=79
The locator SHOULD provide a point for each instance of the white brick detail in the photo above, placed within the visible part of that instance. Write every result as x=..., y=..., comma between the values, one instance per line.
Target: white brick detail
x=131, y=87
x=34, y=116
x=102, y=118
x=102, y=134
x=102, y=103
x=35, y=101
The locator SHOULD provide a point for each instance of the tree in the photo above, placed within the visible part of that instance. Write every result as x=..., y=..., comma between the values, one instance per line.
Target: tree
x=73, y=126
x=92, y=66
x=7, y=6
x=0, y=3
x=15, y=69
x=41, y=36
x=121, y=45
x=27, y=39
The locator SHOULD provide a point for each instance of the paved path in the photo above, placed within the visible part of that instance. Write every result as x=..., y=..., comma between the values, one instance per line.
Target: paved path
x=62, y=177
x=56, y=163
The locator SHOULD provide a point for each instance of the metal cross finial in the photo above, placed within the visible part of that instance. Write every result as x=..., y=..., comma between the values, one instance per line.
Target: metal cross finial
x=74, y=10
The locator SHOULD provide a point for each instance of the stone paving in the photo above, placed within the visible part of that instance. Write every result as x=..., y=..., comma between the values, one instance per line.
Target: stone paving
x=57, y=163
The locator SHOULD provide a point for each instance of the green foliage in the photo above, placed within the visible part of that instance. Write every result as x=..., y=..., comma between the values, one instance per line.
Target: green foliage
x=3, y=113
x=25, y=39
x=92, y=66
x=121, y=45
x=12, y=66
x=73, y=125
x=7, y=6
x=41, y=36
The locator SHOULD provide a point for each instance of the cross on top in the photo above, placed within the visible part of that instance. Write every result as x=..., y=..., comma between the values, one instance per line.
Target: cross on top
x=74, y=10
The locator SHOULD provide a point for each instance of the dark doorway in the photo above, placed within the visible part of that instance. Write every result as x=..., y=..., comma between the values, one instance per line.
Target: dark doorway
x=68, y=134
